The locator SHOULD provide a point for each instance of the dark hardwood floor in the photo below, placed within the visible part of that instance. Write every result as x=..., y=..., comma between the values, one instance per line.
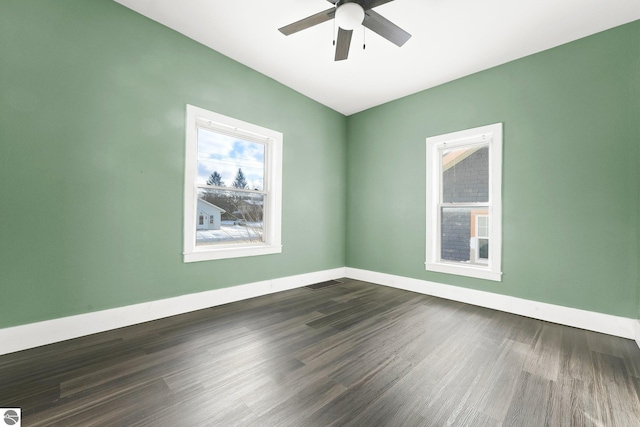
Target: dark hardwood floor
x=354, y=354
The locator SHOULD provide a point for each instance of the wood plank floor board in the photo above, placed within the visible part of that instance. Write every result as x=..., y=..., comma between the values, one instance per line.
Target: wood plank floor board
x=424, y=394
x=124, y=392
x=458, y=384
x=607, y=344
x=571, y=404
x=313, y=397
x=339, y=343
x=113, y=410
x=436, y=335
x=424, y=391
x=351, y=346
x=408, y=308
x=353, y=310
x=530, y=405
x=155, y=364
x=498, y=380
x=449, y=403
x=269, y=395
x=544, y=358
x=629, y=350
x=576, y=361
x=354, y=354
x=520, y=328
x=615, y=391
x=374, y=310
x=468, y=416
x=55, y=366
x=195, y=407
x=345, y=408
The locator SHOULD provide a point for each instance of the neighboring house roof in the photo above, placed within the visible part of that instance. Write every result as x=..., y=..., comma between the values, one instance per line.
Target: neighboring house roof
x=211, y=205
x=456, y=156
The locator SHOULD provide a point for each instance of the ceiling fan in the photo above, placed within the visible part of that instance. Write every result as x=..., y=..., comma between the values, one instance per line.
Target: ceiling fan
x=349, y=14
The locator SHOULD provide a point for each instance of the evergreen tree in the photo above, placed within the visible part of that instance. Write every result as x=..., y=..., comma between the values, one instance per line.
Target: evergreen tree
x=240, y=181
x=215, y=179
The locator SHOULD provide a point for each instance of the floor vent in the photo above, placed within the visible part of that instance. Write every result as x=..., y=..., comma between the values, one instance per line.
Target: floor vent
x=323, y=285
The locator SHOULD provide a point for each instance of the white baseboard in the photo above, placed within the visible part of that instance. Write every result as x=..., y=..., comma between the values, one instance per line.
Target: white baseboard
x=605, y=323
x=41, y=333
x=22, y=337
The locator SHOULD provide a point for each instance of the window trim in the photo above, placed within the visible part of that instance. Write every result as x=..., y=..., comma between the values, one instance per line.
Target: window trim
x=491, y=135
x=272, y=186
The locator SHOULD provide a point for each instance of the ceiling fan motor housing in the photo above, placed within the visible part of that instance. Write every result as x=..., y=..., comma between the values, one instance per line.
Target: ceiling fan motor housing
x=349, y=15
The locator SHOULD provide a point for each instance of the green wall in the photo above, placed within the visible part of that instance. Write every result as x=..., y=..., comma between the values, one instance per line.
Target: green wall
x=92, y=99
x=570, y=173
x=92, y=105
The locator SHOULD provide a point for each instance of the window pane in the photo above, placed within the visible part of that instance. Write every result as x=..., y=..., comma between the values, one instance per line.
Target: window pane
x=458, y=241
x=483, y=226
x=226, y=161
x=483, y=248
x=455, y=234
x=465, y=175
x=235, y=217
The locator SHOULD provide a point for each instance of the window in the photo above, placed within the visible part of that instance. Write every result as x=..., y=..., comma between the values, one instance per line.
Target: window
x=464, y=187
x=233, y=173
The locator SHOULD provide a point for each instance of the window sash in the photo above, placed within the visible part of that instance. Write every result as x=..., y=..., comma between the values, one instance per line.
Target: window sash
x=471, y=207
x=236, y=242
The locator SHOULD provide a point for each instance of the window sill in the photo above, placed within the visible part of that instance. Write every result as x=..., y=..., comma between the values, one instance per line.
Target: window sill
x=465, y=270
x=208, y=254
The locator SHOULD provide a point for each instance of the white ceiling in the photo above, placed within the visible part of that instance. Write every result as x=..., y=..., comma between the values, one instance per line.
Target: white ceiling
x=450, y=39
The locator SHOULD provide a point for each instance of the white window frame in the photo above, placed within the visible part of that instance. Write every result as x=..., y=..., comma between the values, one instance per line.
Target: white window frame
x=490, y=135
x=272, y=140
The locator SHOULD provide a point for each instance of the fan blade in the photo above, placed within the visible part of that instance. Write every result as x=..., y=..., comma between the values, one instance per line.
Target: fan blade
x=370, y=4
x=342, y=46
x=308, y=22
x=387, y=29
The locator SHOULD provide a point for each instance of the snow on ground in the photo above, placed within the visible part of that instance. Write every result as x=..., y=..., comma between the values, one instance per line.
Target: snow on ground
x=230, y=233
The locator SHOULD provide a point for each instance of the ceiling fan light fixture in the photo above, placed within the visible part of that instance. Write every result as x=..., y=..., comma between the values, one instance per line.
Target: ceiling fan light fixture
x=349, y=16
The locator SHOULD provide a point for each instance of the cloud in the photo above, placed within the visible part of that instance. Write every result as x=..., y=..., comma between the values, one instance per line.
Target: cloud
x=225, y=155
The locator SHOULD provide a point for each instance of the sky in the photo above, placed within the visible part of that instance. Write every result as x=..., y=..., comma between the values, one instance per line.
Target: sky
x=226, y=154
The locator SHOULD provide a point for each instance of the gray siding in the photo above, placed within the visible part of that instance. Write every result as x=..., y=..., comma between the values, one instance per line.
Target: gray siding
x=468, y=181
